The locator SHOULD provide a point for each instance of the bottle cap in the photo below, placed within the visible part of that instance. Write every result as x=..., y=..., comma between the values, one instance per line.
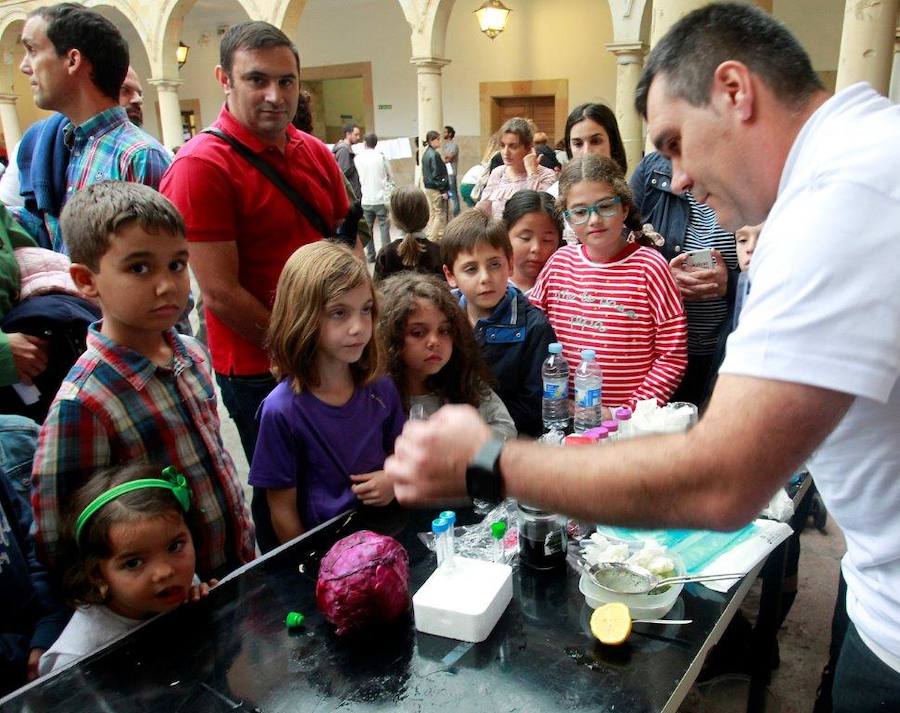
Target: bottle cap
x=596, y=434
x=439, y=525
x=610, y=426
x=498, y=530
x=581, y=439
x=449, y=516
x=293, y=619
x=623, y=413
x=554, y=348
x=588, y=355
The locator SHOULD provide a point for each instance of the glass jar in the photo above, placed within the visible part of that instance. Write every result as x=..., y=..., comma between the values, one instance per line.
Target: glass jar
x=542, y=538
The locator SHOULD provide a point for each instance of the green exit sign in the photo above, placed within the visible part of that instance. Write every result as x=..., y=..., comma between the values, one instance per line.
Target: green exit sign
x=385, y=107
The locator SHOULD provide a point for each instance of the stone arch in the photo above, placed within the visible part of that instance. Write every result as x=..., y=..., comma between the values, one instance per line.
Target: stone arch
x=11, y=24
x=428, y=21
x=287, y=13
x=167, y=32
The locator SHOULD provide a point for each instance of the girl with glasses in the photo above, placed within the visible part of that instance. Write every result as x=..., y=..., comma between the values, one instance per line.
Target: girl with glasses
x=612, y=293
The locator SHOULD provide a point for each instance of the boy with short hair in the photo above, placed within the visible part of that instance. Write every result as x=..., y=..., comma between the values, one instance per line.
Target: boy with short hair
x=140, y=391
x=513, y=333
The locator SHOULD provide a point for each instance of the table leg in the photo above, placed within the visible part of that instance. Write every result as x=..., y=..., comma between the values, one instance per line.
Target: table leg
x=765, y=632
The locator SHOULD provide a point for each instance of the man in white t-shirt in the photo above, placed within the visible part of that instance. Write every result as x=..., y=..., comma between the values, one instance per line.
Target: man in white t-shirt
x=811, y=374
x=374, y=176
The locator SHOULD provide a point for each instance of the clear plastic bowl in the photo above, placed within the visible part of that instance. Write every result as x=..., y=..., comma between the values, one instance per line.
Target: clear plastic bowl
x=641, y=606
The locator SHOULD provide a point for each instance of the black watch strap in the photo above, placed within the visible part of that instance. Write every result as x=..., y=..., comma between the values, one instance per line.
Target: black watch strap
x=483, y=478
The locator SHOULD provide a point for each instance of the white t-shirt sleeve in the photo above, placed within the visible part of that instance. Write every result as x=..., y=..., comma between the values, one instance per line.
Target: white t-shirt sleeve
x=824, y=308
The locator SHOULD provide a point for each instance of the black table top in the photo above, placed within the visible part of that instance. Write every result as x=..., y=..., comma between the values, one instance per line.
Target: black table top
x=233, y=652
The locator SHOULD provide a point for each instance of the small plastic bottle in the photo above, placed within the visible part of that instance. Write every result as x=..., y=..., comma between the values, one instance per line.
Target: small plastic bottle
x=450, y=517
x=597, y=435
x=498, y=532
x=588, y=392
x=623, y=417
x=612, y=428
x=439, y=529
x=555, y=401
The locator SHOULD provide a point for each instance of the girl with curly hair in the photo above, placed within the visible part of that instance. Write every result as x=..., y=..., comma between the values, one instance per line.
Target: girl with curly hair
x=431, y=353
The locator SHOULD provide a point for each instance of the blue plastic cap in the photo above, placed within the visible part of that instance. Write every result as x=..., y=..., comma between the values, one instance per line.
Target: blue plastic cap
x=588, y=355
x=449, y=516
x=554, y=348
x=439, y=525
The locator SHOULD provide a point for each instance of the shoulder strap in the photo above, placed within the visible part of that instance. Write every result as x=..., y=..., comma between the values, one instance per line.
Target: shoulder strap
x=269, y=172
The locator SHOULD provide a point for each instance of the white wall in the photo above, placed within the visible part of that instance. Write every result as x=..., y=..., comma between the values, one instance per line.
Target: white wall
x=817, y=25
x=365, y=31
x=563, y=39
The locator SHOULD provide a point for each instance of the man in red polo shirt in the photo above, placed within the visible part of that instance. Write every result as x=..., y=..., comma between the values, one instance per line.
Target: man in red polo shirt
x=240, y=226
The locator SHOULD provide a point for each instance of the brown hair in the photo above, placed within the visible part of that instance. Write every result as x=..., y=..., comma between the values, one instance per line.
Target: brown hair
x=410, y=213
x=470, y=229
x=97, y=212
x=313, y=276
x=80, y=559
x=465, y=378
x=600, y=169
x=521, y=128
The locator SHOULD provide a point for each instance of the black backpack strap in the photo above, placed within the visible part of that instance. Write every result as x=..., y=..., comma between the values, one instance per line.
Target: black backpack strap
x=300, y=203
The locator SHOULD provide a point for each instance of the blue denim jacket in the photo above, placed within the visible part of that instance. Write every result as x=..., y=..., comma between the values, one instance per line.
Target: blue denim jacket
x=668, y=212
x=513, y=341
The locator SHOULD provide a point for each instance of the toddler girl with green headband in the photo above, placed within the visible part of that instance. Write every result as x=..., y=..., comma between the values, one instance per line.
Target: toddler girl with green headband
x=130, y=556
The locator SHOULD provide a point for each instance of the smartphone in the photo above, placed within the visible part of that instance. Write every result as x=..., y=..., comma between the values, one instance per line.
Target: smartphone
x=701, y=259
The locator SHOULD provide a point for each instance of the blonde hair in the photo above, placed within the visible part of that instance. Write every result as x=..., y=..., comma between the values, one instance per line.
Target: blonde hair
x=313, y=276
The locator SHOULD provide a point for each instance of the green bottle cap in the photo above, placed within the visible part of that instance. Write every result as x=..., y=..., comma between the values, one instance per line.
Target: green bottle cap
x=498, y=530
x=293, y=620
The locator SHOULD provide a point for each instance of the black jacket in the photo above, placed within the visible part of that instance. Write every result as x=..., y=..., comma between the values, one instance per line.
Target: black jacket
x=434, y=172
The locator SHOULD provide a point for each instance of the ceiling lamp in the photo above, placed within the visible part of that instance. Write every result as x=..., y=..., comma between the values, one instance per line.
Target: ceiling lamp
x=181, y=54
x=492, y=16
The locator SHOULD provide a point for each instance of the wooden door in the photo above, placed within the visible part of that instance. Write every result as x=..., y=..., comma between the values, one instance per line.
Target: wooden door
x=540, y=109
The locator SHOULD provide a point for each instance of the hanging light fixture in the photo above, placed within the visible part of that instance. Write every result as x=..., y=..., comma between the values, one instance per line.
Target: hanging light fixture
x=492, y=16
x=181, y=54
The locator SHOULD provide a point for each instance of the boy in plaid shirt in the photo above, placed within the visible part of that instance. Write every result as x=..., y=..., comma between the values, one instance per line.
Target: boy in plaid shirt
x=140, y=391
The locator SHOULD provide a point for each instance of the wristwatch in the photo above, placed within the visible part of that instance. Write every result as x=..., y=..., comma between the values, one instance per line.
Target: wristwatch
x=483, y=477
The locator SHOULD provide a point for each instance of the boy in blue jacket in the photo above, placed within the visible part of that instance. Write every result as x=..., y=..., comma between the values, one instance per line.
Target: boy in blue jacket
x=512, y=333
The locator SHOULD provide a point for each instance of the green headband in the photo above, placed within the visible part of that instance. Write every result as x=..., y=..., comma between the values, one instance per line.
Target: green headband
x=174, y=481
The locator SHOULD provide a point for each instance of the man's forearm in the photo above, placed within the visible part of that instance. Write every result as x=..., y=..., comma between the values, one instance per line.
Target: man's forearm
x=240, y=311
x=719, y=475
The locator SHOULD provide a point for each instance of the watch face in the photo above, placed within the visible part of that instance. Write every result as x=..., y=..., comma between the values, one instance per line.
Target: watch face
x=483, y=478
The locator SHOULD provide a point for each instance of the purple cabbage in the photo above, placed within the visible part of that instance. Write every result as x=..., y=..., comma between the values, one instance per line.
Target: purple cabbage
x=362, y=580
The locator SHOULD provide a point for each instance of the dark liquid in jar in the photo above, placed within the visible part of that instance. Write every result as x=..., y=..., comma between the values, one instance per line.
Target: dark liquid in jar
x=540, y=555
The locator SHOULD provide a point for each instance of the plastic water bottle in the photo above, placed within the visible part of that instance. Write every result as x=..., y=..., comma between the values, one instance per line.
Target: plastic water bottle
x=555, y=403
x=588, y=388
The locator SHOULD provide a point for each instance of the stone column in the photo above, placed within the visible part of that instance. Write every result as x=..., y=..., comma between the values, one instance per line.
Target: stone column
x=895, y=74
x=867, y=44
x=629, y=62
x=667, y=12
x=430, y=92
x=9, y=120
x=169, y=111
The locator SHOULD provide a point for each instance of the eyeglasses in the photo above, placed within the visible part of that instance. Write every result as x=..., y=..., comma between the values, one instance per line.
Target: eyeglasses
x=606, y=208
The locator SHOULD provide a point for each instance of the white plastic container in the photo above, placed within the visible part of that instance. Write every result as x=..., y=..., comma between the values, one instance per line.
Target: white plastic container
x=641, y=606
x=464, y=603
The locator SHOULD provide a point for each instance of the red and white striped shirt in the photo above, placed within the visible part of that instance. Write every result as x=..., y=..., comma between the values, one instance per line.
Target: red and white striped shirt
x=629, y=311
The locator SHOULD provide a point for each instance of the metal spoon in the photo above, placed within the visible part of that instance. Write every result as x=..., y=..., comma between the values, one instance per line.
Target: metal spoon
x=623, y=578
x=662, y=621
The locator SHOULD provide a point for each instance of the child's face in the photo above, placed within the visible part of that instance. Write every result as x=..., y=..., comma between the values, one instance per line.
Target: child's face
x=601, y=235
x=482, y=276
x=427, y=342
x=142, y=282
x=151, y=567
x=534, y=239
x=346, y=326
x=746, y=238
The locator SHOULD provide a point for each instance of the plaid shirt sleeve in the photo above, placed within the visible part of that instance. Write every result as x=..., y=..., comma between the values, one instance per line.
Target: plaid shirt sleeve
x=147, y=166
x=72, y=445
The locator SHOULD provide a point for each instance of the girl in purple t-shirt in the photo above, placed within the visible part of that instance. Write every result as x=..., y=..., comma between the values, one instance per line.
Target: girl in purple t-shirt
x=326, y=429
